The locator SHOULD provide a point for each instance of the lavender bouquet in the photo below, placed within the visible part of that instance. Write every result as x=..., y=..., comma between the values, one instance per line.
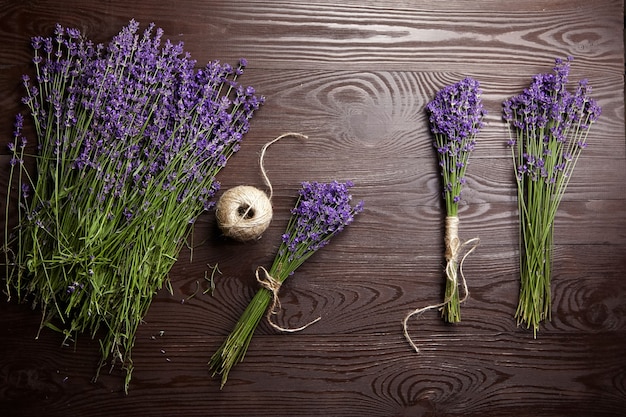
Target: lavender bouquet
x=322, y=211
x=548, y=128
x=130, y=138
x=455, y=116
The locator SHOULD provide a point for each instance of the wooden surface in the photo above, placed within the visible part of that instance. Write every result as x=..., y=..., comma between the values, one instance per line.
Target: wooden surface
x=355, y=77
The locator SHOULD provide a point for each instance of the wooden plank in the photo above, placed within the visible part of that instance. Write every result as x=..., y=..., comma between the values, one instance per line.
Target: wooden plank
x=313, y=375
x=424, y=36
x=355, y=77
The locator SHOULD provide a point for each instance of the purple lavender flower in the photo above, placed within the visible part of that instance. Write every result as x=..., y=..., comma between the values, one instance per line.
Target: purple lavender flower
x=457, y=110
x=322, y=210
x=546, y=118
x=142, y=90
x=25, y=190
x=18, y=125
x=75, y=286
x=455, y=116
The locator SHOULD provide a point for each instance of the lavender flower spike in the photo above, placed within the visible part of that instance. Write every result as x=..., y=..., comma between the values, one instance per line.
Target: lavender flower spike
x=455, y=117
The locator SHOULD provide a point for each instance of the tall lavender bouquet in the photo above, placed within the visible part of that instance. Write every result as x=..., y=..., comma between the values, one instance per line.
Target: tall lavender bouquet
x=130, y=138
x=322, y=211
x=456, y=116
x=548, y=128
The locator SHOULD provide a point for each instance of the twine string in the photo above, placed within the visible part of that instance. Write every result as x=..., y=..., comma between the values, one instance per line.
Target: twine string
x=453, y=248
x=453, y=243
x=273, y=285
x=263, y=151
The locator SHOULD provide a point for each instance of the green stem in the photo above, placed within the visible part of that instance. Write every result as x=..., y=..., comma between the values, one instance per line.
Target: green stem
x=234, y=348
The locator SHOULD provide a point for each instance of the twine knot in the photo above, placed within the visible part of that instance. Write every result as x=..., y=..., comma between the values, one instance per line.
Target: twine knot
x=273, y=285
x=453, y=248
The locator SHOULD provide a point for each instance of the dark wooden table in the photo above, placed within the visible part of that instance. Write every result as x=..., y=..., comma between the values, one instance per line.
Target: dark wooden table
x=355, y=77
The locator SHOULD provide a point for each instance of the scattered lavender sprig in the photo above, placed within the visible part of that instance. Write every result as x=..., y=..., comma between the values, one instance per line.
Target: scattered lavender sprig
x=456, y=116
x=548, y=128
x=130, y=138
x=322, y=211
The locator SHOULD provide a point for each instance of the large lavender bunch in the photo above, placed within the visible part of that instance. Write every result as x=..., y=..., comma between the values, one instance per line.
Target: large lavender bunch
x=548, y=128
x=456, y=116
x=130, y=138
x=322, y=211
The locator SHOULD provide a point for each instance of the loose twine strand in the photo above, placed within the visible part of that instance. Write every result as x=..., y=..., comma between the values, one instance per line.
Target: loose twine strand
x=273, y=285
x=268, y=282
x=453, y=249
x=264, y=149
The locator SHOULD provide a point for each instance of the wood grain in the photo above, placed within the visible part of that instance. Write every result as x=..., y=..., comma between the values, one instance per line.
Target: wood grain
x=355, y=77
x=438, y=380
x=403, y=35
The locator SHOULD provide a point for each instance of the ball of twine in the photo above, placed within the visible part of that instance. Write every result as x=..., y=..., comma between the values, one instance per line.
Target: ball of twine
x=243, y=213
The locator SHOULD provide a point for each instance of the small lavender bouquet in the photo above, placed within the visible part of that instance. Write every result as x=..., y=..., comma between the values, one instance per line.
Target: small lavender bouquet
x=130, y=138
x=456, y=116
x=548, y=128
x=322, y=211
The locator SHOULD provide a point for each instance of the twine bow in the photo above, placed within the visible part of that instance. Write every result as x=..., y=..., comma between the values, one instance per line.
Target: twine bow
x=273, y=285
x=453, y=248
